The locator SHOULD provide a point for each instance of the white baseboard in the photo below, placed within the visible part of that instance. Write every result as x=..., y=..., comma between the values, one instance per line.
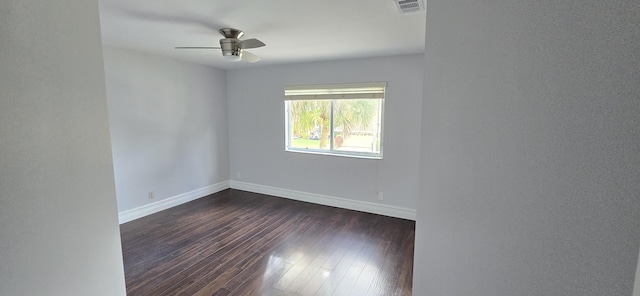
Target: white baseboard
x=148, y=209
x=326, y=200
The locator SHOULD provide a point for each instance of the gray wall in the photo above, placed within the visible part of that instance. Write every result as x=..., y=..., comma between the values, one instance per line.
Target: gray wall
x=530, y=149
x=636, y=288
x=256, y=131
x=59, y=230
x=168, y=126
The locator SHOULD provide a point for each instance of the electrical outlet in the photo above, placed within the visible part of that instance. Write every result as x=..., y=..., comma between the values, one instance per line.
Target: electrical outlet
x=150, y=195
x=239, y=175
x=380, y=195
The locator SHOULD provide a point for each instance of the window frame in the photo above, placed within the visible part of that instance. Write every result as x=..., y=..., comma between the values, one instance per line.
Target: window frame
x=332, y=93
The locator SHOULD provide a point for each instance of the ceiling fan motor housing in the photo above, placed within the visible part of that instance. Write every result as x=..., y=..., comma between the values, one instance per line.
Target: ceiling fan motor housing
x=229, y=48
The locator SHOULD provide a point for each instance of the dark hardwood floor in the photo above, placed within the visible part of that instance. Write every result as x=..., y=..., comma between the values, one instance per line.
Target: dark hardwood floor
x=241, y=243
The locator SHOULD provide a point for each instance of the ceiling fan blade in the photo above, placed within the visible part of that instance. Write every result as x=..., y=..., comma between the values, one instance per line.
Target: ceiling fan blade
x=250, y=43
x=249, y=57
x=196, y=47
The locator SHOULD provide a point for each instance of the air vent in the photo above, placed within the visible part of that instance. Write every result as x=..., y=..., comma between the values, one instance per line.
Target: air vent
x=407, y=6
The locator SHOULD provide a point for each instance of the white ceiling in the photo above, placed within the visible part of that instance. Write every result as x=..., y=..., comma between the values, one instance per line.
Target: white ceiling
x=294, y=30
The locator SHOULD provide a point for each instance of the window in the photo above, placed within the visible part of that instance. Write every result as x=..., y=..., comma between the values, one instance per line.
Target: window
x=338, y=119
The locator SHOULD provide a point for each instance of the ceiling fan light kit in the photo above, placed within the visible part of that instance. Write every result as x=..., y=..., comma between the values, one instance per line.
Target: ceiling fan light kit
x=233, y=48
x=232, y=56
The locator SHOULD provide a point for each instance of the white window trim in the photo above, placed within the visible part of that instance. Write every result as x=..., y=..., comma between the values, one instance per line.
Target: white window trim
x=368, y=90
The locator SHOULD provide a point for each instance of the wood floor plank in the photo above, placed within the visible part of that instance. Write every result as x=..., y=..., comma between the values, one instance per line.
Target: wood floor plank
x=277, y=263
x=246, y=257
x=223, y=241
x=228, y=250
x=241, y=243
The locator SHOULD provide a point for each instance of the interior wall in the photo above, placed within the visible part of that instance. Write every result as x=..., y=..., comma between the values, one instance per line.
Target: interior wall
x=59, y=231
x=530, y=149
x=168, y=123
x=257, y=123
x=636, y=286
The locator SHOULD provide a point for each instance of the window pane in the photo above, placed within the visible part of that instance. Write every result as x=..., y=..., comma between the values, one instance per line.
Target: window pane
x=357, y=125
x=310, y=124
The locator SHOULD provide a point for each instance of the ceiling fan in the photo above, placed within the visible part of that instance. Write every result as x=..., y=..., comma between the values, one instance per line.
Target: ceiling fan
x=233, y=49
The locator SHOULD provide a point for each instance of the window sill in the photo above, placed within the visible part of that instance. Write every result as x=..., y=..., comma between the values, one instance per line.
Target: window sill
x=328, y=153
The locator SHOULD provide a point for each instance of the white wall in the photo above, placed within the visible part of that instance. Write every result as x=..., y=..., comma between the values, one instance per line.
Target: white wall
x=636, y=287
x=168, y=126
x=530, y=149
x=59, y=231
x=256, y=131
